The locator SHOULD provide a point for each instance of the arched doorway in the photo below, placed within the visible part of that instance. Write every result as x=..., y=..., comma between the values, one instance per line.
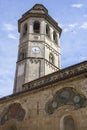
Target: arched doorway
x=68, y=123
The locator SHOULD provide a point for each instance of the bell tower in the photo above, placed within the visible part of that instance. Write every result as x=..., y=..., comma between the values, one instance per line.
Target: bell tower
x=39, y=46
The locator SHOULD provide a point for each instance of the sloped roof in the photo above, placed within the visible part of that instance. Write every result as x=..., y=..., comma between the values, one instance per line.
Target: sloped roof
x=39, y=7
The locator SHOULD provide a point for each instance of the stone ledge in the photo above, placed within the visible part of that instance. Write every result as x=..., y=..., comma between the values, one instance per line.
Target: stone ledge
x=60, y=75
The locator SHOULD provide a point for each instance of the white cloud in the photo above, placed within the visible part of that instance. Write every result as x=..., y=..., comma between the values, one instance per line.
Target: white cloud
x=9, y=27
x=65, y=30
x=85, y=15
x=12, y=36
x=82, y=58
x=84, y=25
x=69, y=27
x=73, y=25
x=1, y=81
x=77, y=5
x=61, y=25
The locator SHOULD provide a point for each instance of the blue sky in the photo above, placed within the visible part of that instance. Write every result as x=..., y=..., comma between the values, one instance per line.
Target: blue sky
x=71, y=15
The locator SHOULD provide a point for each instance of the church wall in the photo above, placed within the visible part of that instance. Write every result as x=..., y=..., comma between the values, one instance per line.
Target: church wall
x=33, y=104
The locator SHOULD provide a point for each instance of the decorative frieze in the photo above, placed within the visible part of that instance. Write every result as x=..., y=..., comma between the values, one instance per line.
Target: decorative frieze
x=57, y=76
x=34, y=60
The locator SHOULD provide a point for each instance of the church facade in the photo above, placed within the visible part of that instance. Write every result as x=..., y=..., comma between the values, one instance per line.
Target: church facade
x=45, y=97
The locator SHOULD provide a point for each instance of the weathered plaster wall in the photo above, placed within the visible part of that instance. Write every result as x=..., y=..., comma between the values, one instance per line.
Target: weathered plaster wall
x=34, y=103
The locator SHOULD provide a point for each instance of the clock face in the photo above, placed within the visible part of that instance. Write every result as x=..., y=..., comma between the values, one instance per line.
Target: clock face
x=35, y=50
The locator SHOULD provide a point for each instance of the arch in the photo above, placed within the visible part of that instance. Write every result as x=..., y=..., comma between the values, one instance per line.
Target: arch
x=22, y=54
x=36, y=27
x=25, y=28
x=51, y=58
x=66, y=96
x=54, y=37
x=68, y=123
x=47, y=30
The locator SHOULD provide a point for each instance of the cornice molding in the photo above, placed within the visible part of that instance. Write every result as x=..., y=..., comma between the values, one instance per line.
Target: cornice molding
x=37, y=59
x=41, y=83
x=39, y=15
x=57, y=76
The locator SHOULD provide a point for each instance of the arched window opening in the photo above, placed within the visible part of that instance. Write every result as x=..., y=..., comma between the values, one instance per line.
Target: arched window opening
x=25, y=28
x=68, y=123
x=36, y=27
x=55, y=37
x=47, y=31
x=51, y=58
x=22, y=55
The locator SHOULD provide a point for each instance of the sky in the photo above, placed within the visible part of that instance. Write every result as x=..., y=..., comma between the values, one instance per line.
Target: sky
x=71, y=16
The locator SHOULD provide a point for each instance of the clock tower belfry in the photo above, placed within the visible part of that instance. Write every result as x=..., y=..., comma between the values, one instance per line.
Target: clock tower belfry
x=39, y=46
